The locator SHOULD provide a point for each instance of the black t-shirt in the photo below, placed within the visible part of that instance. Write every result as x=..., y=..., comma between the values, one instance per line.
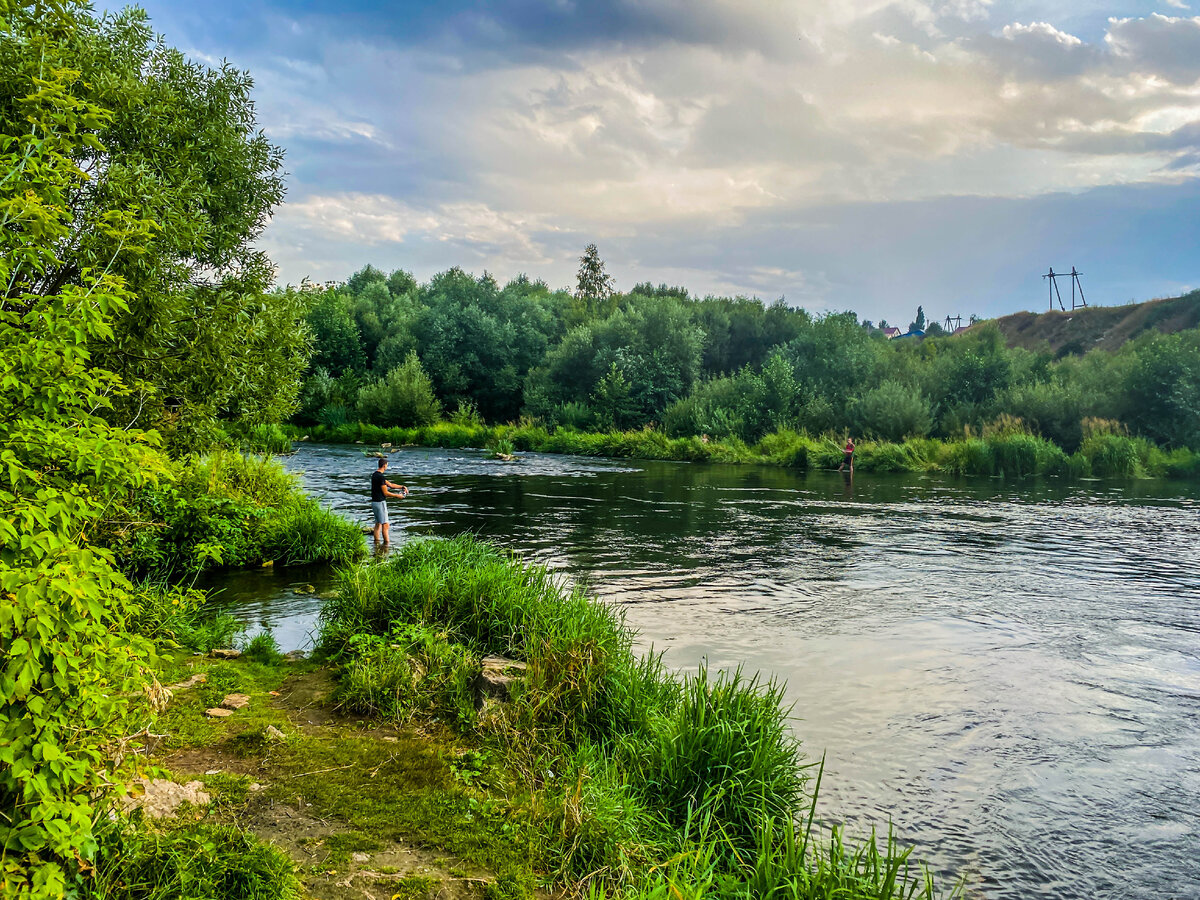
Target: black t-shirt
x=377, y=480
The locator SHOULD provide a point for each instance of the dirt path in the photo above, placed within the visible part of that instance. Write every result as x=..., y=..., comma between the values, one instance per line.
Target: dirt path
x=364, y=810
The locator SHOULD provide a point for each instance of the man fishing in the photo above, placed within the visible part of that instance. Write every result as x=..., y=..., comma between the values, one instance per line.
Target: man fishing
x=381, y=490
x=848, y=456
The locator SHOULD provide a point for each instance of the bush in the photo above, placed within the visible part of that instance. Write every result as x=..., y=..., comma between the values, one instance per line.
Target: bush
x=412, y=669
x=402, y=397
x=226, y=510
x=892, y=412
x=263, y=648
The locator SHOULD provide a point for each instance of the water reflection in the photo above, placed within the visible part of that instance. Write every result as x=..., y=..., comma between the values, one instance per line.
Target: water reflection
x=1009, y=671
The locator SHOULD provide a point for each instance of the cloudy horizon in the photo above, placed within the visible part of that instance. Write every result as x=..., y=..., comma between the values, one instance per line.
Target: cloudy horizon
x=842, y=155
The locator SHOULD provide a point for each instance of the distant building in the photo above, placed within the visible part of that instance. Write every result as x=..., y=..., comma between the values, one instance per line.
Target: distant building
x=891, y=332
x=960, y=329
x=912, y=332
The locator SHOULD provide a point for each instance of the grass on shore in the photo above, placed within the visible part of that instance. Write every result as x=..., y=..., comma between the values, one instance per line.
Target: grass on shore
x=226, y=510
x=639, y=783
x=1006, y=449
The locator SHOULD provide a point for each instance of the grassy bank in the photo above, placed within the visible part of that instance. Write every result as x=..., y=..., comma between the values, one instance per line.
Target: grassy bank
x=1005, y=449
x=386, y=768
x=631, y=780
x=224, y=510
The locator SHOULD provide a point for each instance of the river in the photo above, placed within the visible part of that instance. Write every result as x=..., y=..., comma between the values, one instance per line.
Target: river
x=1007, y=671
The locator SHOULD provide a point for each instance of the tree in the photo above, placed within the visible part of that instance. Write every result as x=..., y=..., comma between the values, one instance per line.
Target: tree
x=891, y=411
x=613, y=401
x=593, y=285
x=69, y=672
x=918, y=324
x=336, y=337
x=402, y=397
x=179, y=151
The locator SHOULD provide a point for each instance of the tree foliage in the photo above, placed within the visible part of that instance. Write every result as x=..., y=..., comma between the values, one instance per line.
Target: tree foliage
x=177, y=151
x=725, y=367
x=69, y=673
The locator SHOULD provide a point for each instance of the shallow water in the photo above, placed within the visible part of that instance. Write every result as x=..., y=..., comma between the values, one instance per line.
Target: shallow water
x=1011, y=672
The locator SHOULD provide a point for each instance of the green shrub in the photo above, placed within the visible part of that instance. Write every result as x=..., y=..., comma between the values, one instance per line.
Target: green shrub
x=892, y=412
x=263, y=648
x=412, y=669
x=263, y=438
x=402, y=397
x=174, y=615
x=226, y=510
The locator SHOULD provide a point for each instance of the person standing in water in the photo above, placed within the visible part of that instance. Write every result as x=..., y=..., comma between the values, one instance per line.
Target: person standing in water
x=848, y=459
x=381, y=490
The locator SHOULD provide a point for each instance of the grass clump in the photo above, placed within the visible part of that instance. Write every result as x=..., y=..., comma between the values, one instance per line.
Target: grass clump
x=413, y=669
x=193, y=862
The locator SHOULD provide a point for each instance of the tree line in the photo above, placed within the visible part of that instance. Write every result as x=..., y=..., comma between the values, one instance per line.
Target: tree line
x=390, y=351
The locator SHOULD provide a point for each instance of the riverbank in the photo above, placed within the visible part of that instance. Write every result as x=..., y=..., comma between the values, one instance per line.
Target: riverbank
x=1006, y=450
x=416, y=759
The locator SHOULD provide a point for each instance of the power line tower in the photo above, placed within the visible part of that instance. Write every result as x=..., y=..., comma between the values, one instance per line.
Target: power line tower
x=953, y=323
x=1052, y=276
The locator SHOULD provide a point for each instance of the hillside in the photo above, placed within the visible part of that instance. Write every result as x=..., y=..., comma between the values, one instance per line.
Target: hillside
x=1106, y=327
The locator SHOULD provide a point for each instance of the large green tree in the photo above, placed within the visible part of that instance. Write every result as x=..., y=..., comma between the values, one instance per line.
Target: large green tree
x=69, y=673
x=179, y=150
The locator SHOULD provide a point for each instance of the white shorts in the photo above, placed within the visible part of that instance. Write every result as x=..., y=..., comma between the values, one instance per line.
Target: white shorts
x=380, y=510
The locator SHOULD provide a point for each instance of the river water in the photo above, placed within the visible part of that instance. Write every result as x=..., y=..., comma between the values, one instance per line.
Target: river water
x=1007, y=672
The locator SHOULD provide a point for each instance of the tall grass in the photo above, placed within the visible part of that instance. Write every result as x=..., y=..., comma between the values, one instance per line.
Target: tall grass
x=630, y=760
x=194, y=862
x=1008, y=450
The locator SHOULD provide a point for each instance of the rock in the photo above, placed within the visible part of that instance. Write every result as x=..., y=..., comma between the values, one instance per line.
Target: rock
x=294, y=655
x=305, y=438
x=497, y=678
x=235, y=701
x=227, y=654
x=254, y=787
x=274, y=734
x=268, y=563
x=385, y=446
x=198, y=678
x=358, y=442
x=160, y=797
x=360, y=857
x=218, y=713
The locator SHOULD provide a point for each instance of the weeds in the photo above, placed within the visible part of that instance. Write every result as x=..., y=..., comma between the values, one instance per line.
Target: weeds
x=194, y=862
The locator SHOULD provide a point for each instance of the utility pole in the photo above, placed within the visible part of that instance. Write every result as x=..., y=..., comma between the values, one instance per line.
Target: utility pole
x=1055, y=293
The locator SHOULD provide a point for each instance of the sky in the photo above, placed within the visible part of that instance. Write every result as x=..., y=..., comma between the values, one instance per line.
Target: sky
x=840, y=154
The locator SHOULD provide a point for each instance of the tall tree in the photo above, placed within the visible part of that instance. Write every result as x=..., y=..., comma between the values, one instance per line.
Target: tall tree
x=179, y=150
x=593, y=286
